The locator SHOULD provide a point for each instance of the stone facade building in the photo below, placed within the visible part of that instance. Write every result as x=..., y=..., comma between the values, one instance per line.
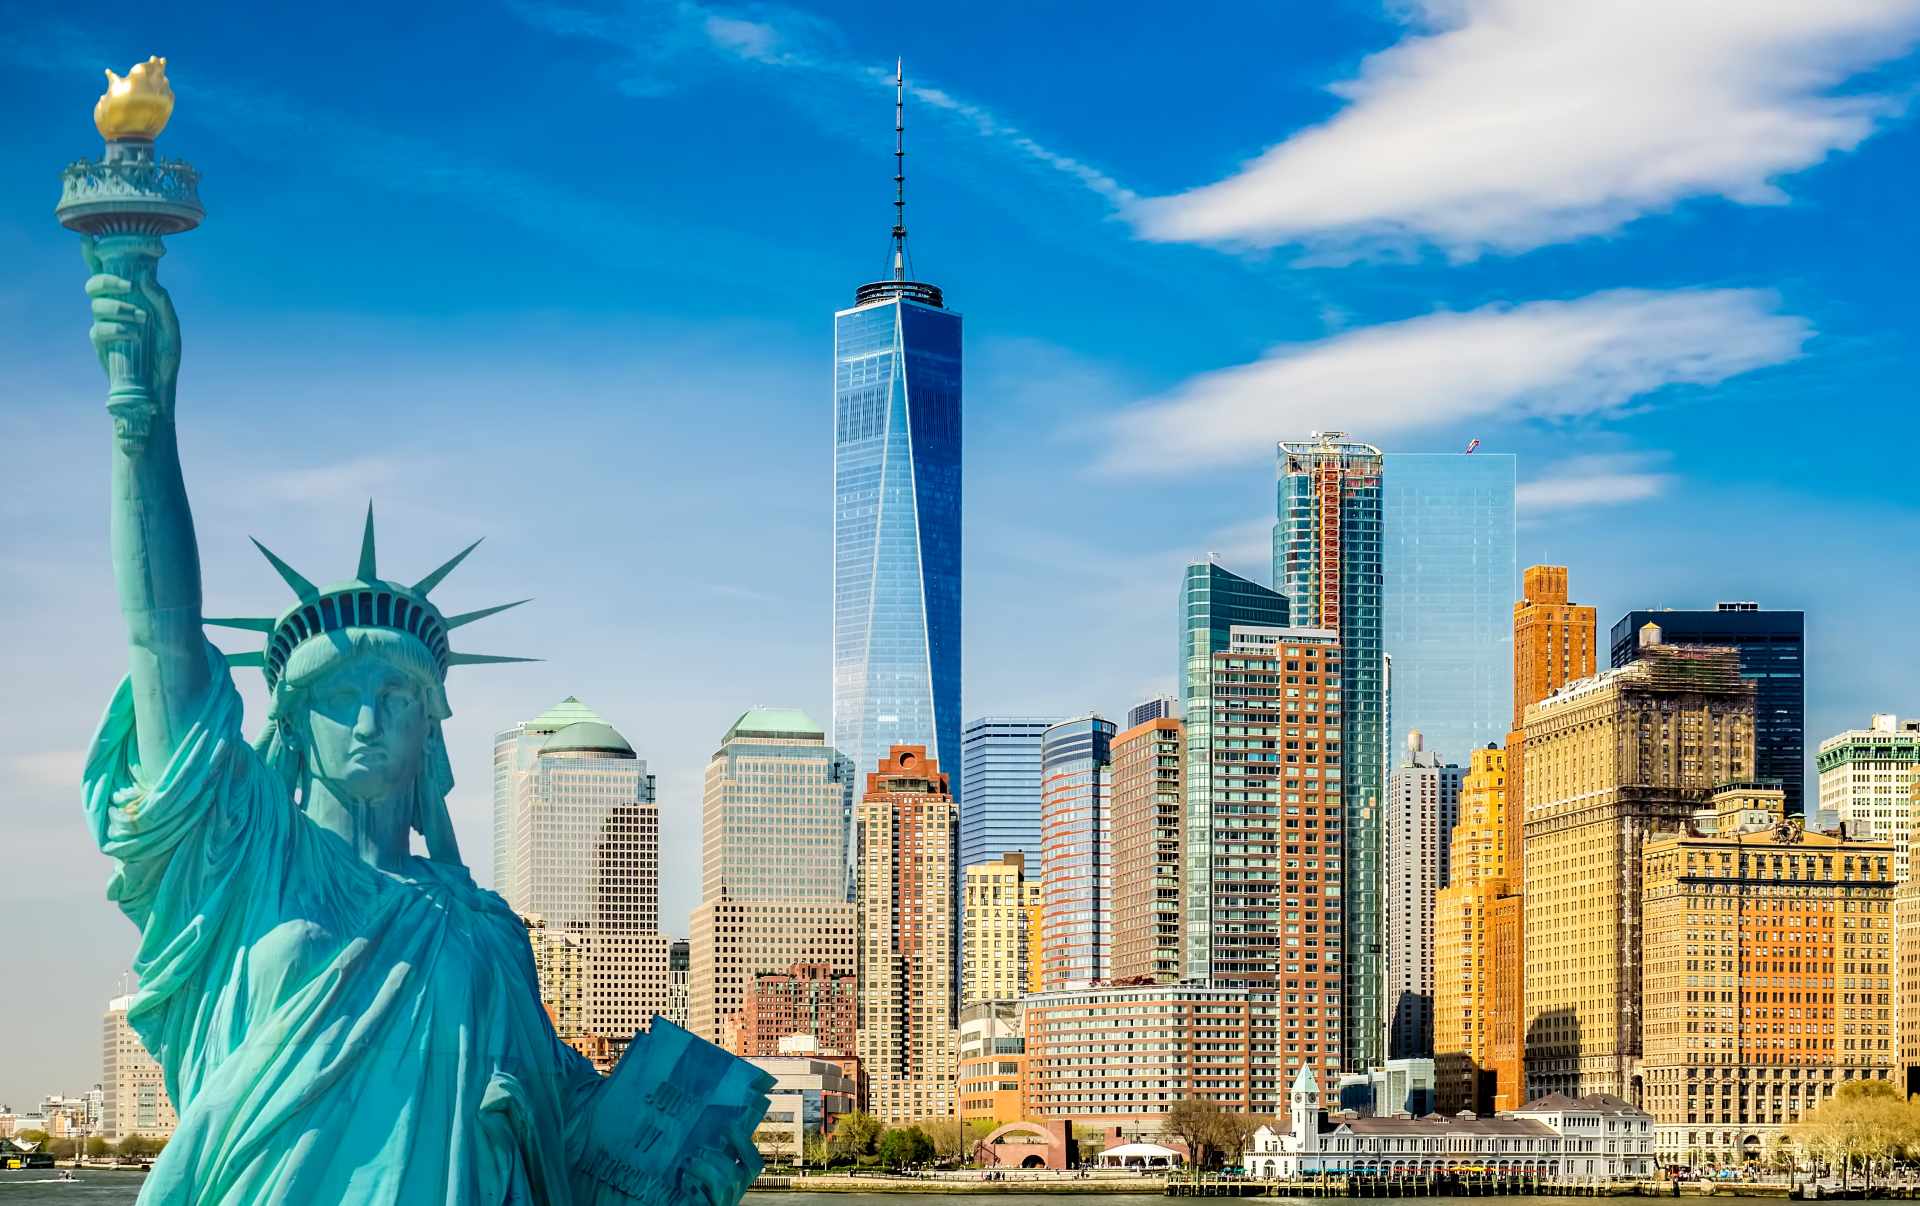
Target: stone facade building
x=773, y=884
x=1465, y=959
x=133, y=1089
x=1422, y=806
x=995, y=953
x=1555, y=642
x=1769, y=975
x=1611, y=762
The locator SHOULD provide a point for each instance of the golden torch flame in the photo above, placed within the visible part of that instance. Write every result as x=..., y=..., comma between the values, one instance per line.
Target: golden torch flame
x=136, y=106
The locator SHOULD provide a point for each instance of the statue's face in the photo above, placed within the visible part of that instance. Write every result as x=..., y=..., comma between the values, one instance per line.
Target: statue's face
x=367, y=724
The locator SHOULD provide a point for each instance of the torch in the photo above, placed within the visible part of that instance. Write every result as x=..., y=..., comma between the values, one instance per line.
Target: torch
x=127, y=200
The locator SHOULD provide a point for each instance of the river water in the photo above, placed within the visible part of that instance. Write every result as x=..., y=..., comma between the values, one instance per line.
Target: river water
x=103, y=1188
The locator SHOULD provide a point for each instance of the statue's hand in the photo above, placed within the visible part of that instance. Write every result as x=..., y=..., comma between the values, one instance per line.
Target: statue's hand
x=135, y=311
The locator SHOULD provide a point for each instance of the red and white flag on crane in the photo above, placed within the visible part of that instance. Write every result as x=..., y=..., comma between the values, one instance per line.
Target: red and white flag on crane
x=1472, y=444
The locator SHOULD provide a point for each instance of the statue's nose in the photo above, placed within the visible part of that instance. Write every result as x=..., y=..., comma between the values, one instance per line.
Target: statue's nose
x=368, y=722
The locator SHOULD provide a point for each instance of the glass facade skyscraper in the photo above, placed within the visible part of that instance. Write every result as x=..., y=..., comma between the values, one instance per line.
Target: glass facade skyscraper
x=1447, y=591
x=1000, y=789
x=1327, y=562
x=1772, y=647
x=1076, y=852
x=896, y=524
x=1213, y=603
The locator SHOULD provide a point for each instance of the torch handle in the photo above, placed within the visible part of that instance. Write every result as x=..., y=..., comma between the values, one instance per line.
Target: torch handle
x=135, y=259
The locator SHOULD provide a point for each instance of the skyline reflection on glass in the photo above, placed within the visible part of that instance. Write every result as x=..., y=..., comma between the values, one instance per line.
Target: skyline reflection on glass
x=896, y=531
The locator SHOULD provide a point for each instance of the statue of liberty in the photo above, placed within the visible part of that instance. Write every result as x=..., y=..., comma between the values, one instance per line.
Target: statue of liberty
x=339, y=1019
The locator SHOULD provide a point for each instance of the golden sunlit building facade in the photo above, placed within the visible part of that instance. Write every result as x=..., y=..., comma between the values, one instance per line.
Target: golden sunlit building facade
x=993, y=929
x=992, y=1063
x=1555, y=642
x=1463, y=950
x=1906, y=926
x=1769, y=975
x=1612, y=761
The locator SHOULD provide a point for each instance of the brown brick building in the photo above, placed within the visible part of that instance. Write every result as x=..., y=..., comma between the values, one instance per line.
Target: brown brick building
x=1149, y=796
x=813, y=999
x=907, y=823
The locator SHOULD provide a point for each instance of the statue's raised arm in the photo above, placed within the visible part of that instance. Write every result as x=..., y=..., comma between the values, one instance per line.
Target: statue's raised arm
x=122, y=205
x=156, y=562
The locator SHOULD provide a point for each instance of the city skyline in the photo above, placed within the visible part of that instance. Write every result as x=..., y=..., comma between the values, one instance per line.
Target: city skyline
x=579, y=484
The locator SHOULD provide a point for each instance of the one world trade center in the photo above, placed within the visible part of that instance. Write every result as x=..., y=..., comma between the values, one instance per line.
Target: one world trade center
x=896, y=513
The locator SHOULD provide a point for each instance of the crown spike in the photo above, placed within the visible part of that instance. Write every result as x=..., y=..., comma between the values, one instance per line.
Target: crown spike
x=301, y=587
x=426, y=584
x=485, y=659
x=468, y=617
x=246, y=623
x=367, y=572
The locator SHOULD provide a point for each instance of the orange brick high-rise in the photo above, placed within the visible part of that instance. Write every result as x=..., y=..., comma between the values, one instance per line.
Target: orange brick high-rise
x=1554, y=643
x=908, y=827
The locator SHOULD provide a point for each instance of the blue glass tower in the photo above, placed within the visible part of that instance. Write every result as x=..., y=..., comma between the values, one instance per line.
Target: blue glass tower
x=896, y=515
x=1000, y=793
x=1447, y=591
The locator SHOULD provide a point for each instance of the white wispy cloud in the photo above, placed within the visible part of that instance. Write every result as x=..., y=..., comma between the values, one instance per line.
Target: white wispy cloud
x=655, y=37
x=1509, y=124
x=1543, y=359
x=1591, y=481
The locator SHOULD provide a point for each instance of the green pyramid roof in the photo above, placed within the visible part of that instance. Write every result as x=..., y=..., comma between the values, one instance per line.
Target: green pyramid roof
x=568, y=711
x=763, y=722
x=588, y=737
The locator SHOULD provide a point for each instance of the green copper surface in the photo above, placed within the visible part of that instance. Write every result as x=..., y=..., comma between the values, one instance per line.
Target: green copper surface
x=339, y=1018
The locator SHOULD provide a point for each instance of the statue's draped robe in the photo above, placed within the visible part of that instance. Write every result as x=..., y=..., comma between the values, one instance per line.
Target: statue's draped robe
x=330, y=1032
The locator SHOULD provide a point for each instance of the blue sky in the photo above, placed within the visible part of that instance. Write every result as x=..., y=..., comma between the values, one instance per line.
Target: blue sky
x=563, y=277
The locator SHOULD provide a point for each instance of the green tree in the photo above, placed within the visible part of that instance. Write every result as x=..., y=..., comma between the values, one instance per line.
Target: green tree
x=919, y=1147
x=892, y=1148
x=98, y=1147
x=854, y=1137
x=140, y=1145
x=817, y=1151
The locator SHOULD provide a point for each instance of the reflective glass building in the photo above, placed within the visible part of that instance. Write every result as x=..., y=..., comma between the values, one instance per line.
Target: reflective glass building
x=1327, y=562
x=1447, y=591
x=1214, y=602
x=896, y=524
x=1076, y=852
x=1000, y=789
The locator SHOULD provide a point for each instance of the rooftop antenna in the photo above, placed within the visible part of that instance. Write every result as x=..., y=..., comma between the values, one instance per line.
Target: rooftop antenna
x=899, y=171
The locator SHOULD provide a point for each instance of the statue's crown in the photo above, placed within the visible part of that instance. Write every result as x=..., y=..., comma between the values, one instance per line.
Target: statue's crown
x=365, y=601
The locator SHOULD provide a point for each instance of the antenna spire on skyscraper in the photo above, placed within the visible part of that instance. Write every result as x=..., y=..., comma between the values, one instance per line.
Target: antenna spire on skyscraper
x=899, y=171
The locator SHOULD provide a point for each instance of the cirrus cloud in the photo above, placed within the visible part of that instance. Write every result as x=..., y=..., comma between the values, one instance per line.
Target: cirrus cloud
x=1511, y=124
x=1603, y=480
x=1543, y=359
